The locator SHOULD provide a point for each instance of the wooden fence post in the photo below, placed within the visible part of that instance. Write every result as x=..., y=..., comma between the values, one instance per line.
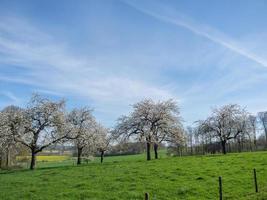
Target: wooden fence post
x=220, y=187
x=255, y=180
x=146, y=196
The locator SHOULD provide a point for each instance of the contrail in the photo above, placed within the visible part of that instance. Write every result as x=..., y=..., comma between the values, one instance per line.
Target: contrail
x=209, y=34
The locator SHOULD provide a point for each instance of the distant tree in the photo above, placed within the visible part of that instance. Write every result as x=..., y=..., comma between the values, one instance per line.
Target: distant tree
x=190, y=134
x=100, y=140
x=126, y=148
x=263, y=120
x=81, y=124
x=38, y=126
x=197, y=133
x=226, y=123
x=152, y=122
x=253, y=126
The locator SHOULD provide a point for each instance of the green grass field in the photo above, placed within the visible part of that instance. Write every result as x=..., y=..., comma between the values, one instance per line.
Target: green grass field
x=129, y=177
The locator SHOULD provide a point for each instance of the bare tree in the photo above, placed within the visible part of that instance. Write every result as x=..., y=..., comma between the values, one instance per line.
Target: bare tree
x=226, y=123
x=251, y=132
x=190, y=133
x=263, y=120
x=253, y=125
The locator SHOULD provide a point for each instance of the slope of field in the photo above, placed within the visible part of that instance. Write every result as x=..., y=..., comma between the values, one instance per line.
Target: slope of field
x=129, y=177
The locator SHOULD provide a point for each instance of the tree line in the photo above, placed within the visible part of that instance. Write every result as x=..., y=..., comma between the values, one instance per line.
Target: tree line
x=230, y=128
x=44, y=122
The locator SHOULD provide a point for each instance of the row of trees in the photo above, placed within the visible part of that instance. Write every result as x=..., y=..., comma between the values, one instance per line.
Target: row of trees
x=44, y=123
x=229, y=127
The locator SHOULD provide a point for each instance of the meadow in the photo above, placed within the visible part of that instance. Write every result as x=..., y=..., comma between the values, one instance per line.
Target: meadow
x=129, y=177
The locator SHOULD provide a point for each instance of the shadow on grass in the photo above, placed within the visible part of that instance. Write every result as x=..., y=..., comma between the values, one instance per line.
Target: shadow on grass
x=61, y=167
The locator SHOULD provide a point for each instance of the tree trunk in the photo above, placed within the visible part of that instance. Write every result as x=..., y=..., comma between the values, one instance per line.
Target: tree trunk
x=7, y=158
x=102, y=156
x=239, y=146
x=148, y=156
x=80, y=150
x=33, y=159
x=250, y=145
x=223, y=143
x=255, y=142
x=230, y=148
x=156, y=150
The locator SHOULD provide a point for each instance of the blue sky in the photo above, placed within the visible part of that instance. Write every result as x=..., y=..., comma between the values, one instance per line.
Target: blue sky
x=110, y=54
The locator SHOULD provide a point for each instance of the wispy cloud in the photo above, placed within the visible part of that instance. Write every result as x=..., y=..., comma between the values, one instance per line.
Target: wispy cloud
x=50, y=66
x=12, y=98
x=162, y=13
x=156, y=60
x=49, y=92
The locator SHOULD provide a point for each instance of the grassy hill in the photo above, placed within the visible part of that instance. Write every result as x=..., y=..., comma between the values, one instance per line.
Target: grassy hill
x=129, y=177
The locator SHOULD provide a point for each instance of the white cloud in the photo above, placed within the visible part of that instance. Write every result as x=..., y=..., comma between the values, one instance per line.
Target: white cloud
x=110, y=83
x=12, y=98
x=162, y=13
x=50, y=66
